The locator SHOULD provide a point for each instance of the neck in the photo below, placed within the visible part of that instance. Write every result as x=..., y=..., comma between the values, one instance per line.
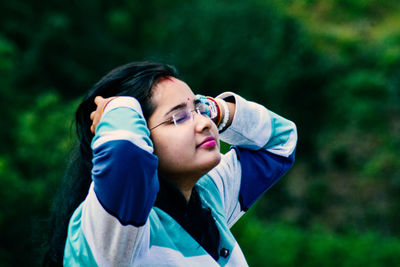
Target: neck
x=185, y=186
x=187, y=192
x=184, y=183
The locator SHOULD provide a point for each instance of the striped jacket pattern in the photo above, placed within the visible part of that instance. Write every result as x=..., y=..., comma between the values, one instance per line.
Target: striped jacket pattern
x=118, y=225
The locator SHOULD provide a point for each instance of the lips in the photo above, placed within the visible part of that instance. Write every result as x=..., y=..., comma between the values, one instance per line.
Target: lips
x=207, y=143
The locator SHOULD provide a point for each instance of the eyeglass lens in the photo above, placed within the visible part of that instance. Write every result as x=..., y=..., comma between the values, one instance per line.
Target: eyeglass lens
x=186, y=114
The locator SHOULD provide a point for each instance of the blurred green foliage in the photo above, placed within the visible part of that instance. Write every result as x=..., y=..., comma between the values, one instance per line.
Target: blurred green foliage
x=332, y=67
x=283, y=244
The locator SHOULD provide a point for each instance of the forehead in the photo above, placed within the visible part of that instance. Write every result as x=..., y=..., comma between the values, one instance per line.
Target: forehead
x=169, y=93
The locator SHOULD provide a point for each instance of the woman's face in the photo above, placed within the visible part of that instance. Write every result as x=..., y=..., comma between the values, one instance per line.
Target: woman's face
x=188, y=148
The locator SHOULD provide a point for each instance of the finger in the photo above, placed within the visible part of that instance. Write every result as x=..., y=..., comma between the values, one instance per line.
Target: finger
x=95, y=121
x=98, y=99
x=92, y=115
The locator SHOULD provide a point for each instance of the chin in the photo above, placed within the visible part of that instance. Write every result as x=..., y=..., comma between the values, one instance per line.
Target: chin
x=212, y=162
x=217, y=159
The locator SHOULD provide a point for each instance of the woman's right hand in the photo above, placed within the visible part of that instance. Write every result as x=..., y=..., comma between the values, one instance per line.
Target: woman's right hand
x=96, y=115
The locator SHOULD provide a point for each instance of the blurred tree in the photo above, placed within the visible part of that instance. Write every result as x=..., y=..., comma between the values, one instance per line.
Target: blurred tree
x=7, y=66
x=31, y=175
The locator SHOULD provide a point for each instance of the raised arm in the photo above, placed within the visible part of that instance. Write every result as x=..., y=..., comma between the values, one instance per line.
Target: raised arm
x=110, y=226
x=263, y=151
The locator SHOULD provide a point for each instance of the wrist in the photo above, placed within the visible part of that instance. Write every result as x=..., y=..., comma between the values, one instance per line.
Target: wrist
x=215, y=110
x=106, y=103
x=224, y=114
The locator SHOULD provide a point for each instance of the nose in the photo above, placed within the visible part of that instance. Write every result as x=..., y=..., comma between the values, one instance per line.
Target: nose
x=201, y=122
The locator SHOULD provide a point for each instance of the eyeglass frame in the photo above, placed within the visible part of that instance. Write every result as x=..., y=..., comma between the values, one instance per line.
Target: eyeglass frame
x=188, y=111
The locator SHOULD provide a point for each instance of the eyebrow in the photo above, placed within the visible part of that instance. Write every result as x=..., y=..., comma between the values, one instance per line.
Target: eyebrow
x=181, y=105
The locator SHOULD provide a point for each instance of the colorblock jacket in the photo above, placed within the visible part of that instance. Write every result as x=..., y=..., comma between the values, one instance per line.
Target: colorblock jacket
x=118, y=225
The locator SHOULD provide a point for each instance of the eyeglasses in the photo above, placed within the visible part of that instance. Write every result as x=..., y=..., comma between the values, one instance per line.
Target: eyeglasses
x=184, y=115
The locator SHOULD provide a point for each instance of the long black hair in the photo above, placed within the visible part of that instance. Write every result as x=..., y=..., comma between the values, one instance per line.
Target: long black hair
x=133, y=79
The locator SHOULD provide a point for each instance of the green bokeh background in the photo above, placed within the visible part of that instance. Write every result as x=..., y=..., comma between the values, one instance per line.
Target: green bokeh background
x=333, y=67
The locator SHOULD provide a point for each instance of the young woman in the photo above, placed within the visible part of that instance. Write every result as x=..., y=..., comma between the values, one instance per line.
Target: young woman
x=149, y=185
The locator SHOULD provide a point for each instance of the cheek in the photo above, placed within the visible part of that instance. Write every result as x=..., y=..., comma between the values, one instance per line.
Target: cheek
x=172, y=142
x=172, y=148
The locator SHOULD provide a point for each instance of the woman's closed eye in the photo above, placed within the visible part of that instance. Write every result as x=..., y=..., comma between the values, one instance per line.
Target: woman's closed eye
x=181, y=116
x=184, y=115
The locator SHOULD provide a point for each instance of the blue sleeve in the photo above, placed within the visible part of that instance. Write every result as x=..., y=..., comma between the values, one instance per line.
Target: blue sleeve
x=261, y=169
x=124, y=169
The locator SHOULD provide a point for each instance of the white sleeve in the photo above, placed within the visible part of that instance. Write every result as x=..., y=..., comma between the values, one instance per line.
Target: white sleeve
x=263, y=150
